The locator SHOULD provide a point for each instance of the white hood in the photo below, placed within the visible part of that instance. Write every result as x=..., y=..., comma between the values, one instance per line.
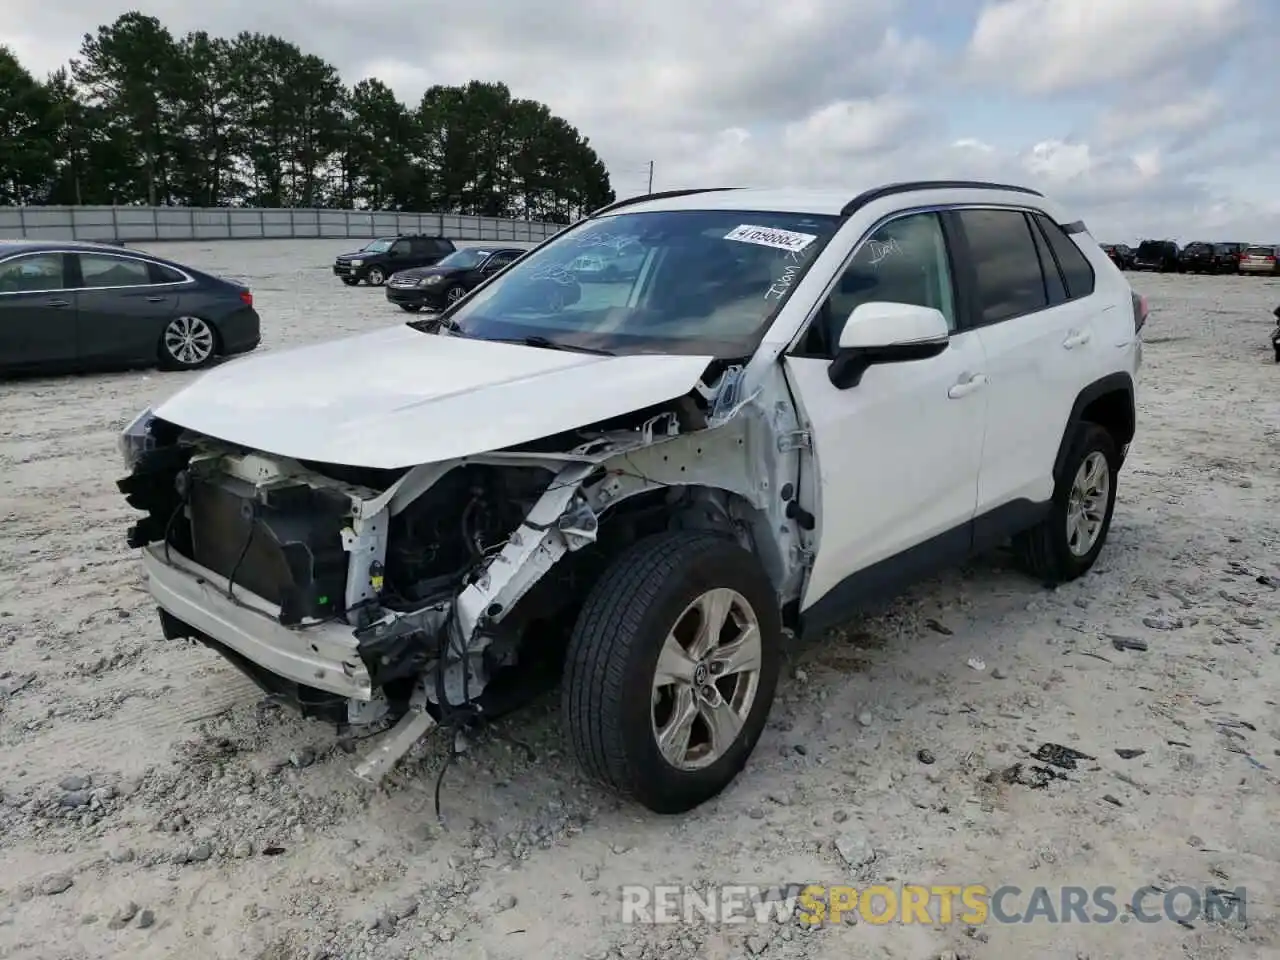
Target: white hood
x=400, y=397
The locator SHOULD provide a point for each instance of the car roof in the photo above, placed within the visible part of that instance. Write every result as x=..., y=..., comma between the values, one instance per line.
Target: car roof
x=828, y=202
x=22, y=245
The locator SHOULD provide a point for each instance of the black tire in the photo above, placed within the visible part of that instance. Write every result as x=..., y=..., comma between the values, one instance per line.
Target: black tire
x=350, y=281
x=607, y=689
x=410, y=307
x=376, y=276
x=1277, y=346
x=1044, y=550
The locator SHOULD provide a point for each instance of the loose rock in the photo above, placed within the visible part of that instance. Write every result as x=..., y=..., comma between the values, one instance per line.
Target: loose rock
x=55, y=884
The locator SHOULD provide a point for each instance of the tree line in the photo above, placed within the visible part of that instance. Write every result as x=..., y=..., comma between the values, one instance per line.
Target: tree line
x=143, y=117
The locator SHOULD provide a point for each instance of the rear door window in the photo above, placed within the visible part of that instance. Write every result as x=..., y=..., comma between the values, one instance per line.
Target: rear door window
x=1010, y=281
x=102, y=270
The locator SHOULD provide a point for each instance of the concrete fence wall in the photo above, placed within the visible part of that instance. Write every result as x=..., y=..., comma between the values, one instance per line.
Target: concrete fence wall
x=133, y=224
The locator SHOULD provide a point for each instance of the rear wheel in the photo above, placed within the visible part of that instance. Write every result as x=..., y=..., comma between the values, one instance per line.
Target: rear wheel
x=671, y=669
x=187, y=343
x=1067, y=542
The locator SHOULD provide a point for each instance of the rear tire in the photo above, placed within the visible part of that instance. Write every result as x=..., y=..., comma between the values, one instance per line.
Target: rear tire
x=652, y=736
x=188, y=343
x=1067, y=542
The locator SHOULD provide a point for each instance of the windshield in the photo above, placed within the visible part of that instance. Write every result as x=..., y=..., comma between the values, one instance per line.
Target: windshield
x=466, y=258
x=683, y=282
x=378, y=246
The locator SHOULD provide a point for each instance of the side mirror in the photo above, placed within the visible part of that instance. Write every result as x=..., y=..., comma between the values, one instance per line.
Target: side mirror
x=883, y=332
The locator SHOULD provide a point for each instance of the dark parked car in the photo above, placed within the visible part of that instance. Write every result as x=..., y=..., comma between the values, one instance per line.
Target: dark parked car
x=1198, y=257
x=448, y=281
x=379, y=259
x=1158, y=255
x=79, y=305
x=1227, y=256
x=1121, y=254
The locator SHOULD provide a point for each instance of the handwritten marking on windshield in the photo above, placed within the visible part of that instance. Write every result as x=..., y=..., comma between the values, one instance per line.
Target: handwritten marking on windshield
x=774, y=237
x=881, y=250
x=556, y=273
x=793, y=262
x=618, y=243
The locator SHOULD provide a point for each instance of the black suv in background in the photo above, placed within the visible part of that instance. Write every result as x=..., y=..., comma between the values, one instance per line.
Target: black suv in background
x=380, y=258
x=1160, y=256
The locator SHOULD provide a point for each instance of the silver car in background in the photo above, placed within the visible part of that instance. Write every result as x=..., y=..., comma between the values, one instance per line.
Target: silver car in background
x=1260, y=259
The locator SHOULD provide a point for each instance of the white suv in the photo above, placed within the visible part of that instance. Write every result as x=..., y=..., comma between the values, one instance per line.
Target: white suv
x=795, y=403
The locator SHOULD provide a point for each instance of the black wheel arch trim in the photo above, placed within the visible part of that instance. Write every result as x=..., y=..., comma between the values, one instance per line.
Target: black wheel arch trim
x=1121, y=382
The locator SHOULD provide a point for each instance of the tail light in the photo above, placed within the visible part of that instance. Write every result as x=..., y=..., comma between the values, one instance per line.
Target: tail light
x=247, y=297
x=1140, y=312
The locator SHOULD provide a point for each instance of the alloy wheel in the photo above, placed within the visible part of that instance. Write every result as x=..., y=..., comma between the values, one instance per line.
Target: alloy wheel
x=1087, y=504
x=706, y=679
x=189, y=340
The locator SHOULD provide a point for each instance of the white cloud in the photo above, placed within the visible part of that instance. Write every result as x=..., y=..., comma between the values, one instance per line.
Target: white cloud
x=1125, y=110
x=1058, y=46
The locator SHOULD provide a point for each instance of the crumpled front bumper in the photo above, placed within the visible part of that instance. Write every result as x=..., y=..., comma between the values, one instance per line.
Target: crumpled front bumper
x=322, y=656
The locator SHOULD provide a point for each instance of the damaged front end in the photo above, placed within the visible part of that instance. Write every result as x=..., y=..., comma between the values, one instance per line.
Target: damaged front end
x=366, y=596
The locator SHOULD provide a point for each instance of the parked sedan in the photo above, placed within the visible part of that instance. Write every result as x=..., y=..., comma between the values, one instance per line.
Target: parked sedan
x=72, y=306
x=1260, y=259
x=448, y=281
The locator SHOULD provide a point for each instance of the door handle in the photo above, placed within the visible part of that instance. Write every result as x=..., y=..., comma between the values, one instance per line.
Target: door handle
x=58, y=303
x=1076, y=339
x=966, y=387
x=155, y=299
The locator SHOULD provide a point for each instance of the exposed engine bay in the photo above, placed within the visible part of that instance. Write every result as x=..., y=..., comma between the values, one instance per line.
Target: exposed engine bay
x=364, y=596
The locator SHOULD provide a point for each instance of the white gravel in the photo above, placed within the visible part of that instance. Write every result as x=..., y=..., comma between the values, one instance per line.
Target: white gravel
x=151, y=806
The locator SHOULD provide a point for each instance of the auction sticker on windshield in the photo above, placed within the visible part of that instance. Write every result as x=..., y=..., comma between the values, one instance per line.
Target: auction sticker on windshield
x=771, y=237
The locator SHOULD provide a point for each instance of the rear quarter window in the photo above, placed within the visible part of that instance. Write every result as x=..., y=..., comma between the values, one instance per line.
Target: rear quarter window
x=162, y=274
x=1077, y=272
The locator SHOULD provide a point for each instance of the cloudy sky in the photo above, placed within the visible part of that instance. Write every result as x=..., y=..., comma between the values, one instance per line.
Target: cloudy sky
x=1147, y=117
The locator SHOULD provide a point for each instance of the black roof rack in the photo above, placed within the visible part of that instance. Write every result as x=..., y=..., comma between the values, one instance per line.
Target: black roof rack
x=910, y=186
x=663, y=195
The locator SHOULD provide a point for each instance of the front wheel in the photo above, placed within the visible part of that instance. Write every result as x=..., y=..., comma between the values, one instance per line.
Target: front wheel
x=454, y=294
x=1067, y=542
x=671, y=669
x=187, y=343
x=376, y=276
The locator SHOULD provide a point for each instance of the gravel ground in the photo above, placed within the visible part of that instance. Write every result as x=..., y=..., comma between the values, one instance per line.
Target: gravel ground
x=152, y=806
